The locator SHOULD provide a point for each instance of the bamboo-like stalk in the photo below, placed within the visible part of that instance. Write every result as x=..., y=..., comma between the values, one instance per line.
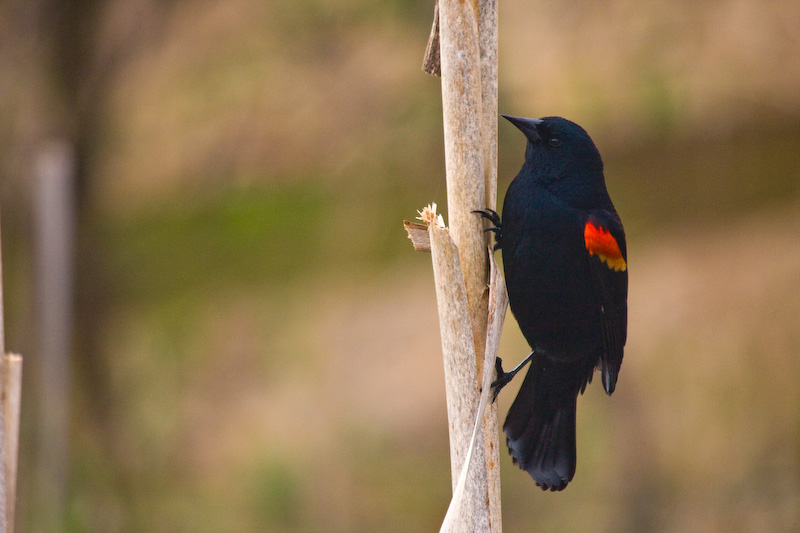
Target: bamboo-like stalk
x=498, y=303
x=4, y=501
x=463, y=147
x=432, y=63
x=487, y=30
x=12, y=399
x=2, y=315
x=462, y=48
x=466, y=152
x=55, y=233
x=461, y=379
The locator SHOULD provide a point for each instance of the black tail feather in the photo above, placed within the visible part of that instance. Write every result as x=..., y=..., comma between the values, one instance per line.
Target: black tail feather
x=611, y=355
x=540, y=426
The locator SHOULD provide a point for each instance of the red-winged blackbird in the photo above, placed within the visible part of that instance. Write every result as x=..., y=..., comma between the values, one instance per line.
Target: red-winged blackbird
x=565, y=263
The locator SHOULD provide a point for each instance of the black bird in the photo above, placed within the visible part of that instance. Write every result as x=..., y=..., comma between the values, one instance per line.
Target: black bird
x=565, y=263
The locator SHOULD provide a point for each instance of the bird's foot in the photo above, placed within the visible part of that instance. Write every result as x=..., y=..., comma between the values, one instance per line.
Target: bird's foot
x=492, y=216
x=504, y=378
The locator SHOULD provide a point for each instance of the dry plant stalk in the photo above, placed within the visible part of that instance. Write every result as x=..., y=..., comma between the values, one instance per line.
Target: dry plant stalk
x=432, y=63
x=498, y=303
x=463, y=141
x=463, y=50
x=12, y=399
x=418, y=233
x=461, y=379
x=5, y=503
x=465, y=154
x=487, y=31
x=11, y=394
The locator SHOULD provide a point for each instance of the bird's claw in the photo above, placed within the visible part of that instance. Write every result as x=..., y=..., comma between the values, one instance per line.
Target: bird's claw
x=503, y=378
x=492, y=216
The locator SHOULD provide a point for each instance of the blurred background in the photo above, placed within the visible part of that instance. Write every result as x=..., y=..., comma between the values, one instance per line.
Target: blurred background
x=254, y=344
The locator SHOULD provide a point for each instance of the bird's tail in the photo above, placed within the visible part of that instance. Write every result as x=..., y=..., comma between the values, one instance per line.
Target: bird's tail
x=540, y=426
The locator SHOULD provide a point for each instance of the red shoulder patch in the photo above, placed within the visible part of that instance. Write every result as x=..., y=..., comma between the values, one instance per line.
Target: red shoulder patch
x=601, y=243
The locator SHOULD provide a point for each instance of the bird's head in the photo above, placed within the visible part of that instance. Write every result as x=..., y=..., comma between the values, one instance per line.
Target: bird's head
x=557, y=147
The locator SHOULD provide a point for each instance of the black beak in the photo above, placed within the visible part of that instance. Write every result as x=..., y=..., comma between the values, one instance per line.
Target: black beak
x=526, y=126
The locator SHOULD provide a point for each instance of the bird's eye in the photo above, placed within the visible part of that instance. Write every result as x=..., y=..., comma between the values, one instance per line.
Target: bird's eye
x=555, y=141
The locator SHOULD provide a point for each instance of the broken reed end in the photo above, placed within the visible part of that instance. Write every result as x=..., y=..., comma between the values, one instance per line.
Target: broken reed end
x=418, y=233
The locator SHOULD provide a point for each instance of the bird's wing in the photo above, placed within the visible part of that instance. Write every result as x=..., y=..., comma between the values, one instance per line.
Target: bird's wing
x=607, y=255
